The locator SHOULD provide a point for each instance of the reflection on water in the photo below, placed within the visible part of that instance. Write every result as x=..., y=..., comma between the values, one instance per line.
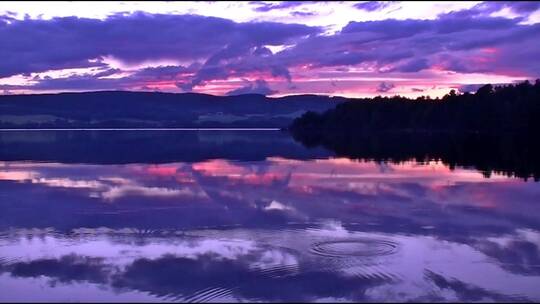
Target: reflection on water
x=272, y=229
x=116, y=147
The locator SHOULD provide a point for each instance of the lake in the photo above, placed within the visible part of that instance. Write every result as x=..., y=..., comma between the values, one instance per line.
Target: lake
x=231, y=216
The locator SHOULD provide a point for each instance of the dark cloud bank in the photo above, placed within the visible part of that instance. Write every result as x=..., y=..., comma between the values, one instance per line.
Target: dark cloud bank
x=466, y=41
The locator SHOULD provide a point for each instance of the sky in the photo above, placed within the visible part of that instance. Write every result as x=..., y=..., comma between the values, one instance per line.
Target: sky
x=348, y=48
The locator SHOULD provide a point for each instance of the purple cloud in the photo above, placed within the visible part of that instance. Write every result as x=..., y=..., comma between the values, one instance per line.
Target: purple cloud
x=523, y=6
x=96, y=81
x=238, y=62
x=469, y=88
x=266, y=7
x=71, y=42
x=258, y=87
x=465, y=41
x=413, y=65
x=384, y=87
x=476, y=44
x=372, y=6
x=161, y=72
x=302, y=14
x=105, y=73
x=519, y=7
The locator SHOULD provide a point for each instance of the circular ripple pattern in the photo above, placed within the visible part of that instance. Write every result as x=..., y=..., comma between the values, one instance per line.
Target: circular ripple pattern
x=354, y=248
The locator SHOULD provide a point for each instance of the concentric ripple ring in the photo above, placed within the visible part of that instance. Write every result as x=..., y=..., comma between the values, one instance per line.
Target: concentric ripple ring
x=364, y=247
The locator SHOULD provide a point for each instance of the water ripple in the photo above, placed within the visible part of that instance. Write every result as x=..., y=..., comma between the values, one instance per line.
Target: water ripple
x=208, y=294
x=365, y=247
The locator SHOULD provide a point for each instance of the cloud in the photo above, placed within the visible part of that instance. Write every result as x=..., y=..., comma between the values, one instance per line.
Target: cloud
x=266, y=7
x=71, y=42
x=161, y=72
x=519, y=7
x=469, y=88
x=412, y=66
x=117, y=192
x=445, y=23
x=105, y=73
x=455, y=42
x=372, y=6
x=185, y=276
x=66, y=269
x=88, y=81
x=384, y=87
x=302, y=14
x=238, y=60
x=260, y=87
x=464, y=41
x=466, y=292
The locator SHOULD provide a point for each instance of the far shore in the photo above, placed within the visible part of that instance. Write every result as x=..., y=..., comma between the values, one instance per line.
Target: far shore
x=142, y=129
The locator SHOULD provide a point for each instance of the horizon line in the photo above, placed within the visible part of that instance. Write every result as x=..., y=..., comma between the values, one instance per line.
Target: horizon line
x=255, y=94
x=138, y=129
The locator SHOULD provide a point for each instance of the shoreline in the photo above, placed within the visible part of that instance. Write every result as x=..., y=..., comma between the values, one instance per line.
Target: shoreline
x=138, y=129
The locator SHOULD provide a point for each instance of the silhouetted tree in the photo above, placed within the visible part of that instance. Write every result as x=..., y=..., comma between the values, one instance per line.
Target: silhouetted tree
x=495, y=115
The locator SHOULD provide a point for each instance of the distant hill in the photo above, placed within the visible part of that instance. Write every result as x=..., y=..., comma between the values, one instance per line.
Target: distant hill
x=122, y=109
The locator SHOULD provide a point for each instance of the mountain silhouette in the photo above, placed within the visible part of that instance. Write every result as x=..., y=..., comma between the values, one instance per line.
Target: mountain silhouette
x=124, y=109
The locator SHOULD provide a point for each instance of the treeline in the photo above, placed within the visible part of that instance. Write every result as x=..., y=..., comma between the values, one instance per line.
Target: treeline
x=510, y=108
x=494, y=130
x=514, y=155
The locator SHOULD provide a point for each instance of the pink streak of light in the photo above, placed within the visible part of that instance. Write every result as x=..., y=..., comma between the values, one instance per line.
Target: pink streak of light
x=236, y=173
x=164, y=171
x=490, y=50
x=219, y=168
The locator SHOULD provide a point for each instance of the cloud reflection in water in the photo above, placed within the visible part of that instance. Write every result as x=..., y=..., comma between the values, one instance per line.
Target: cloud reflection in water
x=273, y=230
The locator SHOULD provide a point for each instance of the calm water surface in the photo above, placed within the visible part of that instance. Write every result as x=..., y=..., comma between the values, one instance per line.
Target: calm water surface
x=235, y=216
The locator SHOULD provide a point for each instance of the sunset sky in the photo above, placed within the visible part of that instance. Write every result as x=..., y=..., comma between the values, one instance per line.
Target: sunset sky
x=353, y=49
